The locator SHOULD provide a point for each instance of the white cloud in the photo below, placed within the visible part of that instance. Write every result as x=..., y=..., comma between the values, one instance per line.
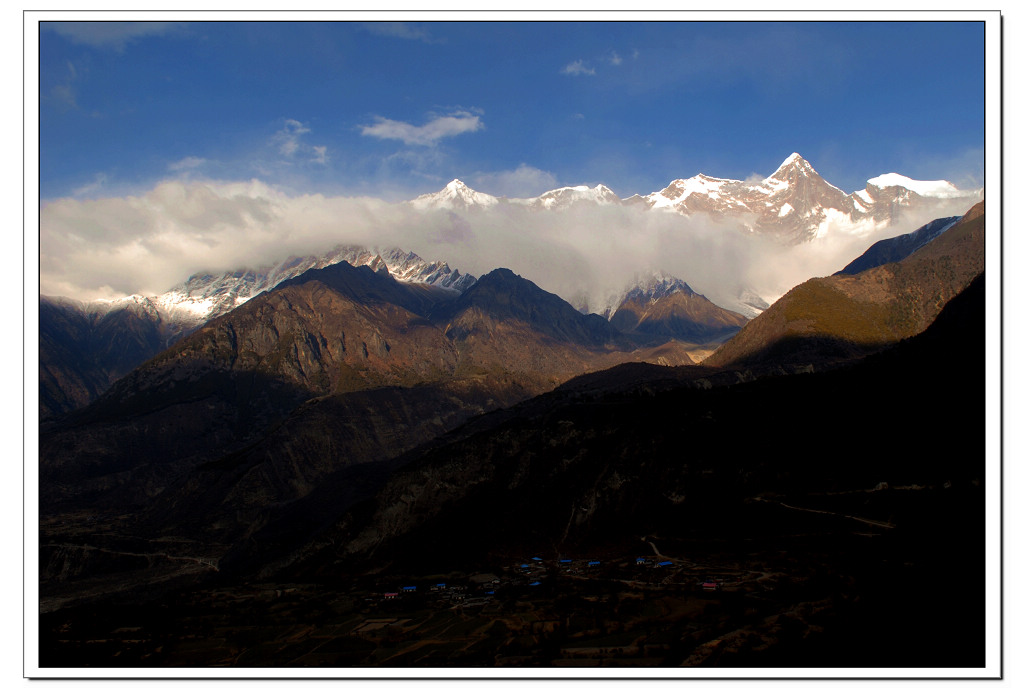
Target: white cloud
x=148, y=243
x=110, y=35
x=428, y=134
x=616, y=59
x=578, y=68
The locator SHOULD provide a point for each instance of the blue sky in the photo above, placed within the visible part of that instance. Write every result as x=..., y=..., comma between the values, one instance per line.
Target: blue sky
x=398, y=109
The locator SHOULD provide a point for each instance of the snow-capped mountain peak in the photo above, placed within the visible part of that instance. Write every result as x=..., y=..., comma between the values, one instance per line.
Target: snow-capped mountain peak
x=794, y=169
x=795, y=162
x=678, y=191
x=941, y=189
x=455, y=195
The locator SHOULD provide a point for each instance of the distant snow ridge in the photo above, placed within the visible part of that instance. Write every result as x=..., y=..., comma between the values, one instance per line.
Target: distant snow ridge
x=792, y=205
x=568, y=196
x=203, y=297
x=137, y=304
x=940, y=189
x=206, y=296
x=456, y=195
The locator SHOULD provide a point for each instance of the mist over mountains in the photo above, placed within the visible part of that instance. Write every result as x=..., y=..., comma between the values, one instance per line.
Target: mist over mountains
x=582, y=243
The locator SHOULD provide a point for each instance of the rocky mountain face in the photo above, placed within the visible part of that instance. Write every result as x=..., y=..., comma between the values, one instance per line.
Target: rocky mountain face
x=795, y=204
x=84, y=348
x=790, y=204
x=846, y=316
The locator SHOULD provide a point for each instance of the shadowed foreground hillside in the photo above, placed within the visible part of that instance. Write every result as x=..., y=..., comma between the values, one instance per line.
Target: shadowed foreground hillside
x=575, y=529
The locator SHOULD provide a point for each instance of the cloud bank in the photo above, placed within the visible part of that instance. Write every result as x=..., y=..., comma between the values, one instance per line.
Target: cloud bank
x=107, y=248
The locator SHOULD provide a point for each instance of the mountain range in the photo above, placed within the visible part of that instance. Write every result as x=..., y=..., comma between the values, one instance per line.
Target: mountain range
x=793, y=205
x=86, y=346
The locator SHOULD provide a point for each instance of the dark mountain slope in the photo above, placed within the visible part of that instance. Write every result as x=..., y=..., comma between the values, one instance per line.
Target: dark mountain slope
x=847, y=316
x=508, y=326
x=230, y=498
x=505, y=297
x=82, y=351
x=900, y=247
x=369, y=287
x=585, y=472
